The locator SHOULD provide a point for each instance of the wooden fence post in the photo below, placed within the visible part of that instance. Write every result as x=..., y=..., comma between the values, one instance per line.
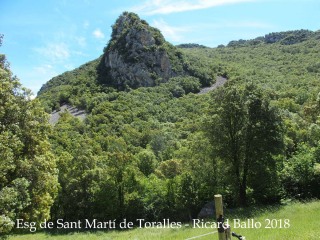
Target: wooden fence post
x=223, y=235
x=228, y=233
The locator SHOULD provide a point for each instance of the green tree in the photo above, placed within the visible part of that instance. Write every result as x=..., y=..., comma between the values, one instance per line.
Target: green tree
x=189, y=194
x=124, y=175
x=301, y=173
x=147, y=162
x=245, y=133
x=28, y=177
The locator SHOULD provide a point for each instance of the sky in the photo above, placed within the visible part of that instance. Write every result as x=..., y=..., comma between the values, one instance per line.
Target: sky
x=43, y=39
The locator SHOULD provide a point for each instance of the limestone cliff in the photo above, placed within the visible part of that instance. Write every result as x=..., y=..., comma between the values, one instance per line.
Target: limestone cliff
x=138, y=55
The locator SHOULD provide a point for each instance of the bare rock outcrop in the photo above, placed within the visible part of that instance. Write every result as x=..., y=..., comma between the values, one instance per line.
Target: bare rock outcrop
x=138, y=55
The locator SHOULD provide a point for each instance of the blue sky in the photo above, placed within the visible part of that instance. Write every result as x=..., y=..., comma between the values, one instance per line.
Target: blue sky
x=45, y=38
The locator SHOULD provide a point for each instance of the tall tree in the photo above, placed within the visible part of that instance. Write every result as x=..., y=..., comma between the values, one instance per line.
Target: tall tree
x=28, y=181
x=246, y=133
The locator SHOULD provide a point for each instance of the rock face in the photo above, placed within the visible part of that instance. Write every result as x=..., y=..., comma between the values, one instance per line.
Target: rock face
x=55, y=115
x=138, y=56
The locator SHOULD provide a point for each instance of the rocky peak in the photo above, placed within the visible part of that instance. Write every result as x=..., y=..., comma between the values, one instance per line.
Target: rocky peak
x=138, y=55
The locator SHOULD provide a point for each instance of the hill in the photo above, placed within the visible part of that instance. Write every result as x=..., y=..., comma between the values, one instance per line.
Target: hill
x=137, y=55
x=157, y=149
x=283, y=38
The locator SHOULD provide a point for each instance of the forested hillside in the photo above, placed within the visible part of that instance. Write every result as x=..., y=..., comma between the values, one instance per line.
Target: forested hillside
x=152, y=147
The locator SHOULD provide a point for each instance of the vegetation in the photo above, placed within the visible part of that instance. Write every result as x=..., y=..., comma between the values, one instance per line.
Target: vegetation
x=246, y=134
x=190, y=45
x=137, y=55
x=303, y=226
x=28, y=175
x=284, y=38
x=163, y=151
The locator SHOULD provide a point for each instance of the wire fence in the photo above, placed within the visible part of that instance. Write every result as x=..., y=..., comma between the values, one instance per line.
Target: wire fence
x=201, y=235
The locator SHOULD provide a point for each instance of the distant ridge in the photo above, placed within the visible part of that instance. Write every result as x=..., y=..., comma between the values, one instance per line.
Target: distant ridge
x=138, y=55
x=284, y=38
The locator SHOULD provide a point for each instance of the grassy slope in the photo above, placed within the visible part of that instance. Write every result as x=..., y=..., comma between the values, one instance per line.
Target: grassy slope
x=304, y=224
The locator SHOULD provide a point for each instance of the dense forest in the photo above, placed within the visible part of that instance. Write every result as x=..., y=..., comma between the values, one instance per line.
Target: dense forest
x=151, y=146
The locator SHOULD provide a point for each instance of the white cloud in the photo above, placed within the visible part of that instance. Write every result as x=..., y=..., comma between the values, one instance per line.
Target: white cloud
x=170, y=32
x=80, y=53
x=167, y=6
x=69, y=67
x=81, y=41
x=44, y=69
x=247, y=24
x=186, y=33
x=39, y=74
x=54, y=51
x=98, y=34
x=236, y=25
x=86, y=24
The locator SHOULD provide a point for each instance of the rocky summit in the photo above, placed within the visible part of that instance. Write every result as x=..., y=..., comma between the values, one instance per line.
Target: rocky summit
x=138, y=55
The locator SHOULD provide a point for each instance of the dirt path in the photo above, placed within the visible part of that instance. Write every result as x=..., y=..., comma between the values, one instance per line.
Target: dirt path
x=219, y=82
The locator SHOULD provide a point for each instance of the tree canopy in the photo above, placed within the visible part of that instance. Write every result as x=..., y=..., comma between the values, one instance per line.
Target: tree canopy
x=28, y=174
x=164, y=151
x=246, y=134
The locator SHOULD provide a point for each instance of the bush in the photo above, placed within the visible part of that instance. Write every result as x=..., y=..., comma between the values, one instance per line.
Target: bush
x=301, y=175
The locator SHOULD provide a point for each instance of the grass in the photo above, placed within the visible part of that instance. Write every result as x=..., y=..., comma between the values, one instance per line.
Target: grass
x=303, y=219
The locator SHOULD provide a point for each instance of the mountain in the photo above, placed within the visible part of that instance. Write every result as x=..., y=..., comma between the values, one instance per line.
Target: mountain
x=138, y=55
x=283, y=38
x=155, y=147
